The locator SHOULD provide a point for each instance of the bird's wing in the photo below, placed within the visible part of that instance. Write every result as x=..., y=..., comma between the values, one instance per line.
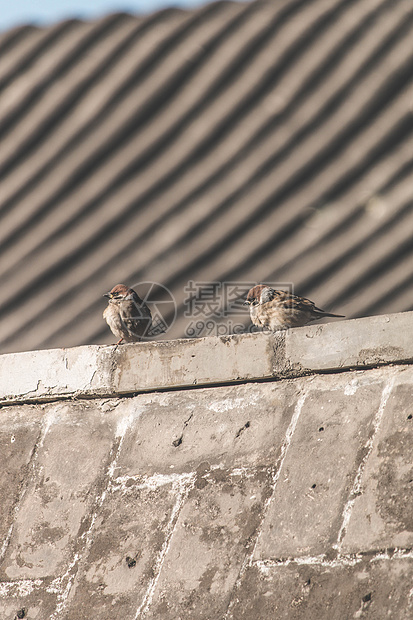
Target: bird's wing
x=288, y=300
x=136, y=317
x=302, y=304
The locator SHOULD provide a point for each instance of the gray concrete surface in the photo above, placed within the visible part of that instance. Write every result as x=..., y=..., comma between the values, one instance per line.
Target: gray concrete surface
x=127, y=369
x=288, y=498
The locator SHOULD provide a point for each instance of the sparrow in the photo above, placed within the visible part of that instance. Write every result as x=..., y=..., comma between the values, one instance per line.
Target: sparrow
x=127, y=315
x=275, y=310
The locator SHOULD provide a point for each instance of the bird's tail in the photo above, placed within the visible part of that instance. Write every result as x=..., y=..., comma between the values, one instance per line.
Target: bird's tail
x=339, y=316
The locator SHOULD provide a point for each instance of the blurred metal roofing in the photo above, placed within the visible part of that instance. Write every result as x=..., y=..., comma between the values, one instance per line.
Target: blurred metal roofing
x=269, y=141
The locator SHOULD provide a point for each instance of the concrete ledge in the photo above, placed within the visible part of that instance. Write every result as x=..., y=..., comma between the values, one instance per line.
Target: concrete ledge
x=92, y=371
x=243, y=501
x=359, y=343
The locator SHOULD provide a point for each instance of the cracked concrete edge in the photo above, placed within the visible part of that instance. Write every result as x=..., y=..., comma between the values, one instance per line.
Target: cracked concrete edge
x=96, y=370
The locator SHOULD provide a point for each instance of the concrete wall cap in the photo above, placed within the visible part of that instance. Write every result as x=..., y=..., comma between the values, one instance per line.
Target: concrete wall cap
x=91, y=371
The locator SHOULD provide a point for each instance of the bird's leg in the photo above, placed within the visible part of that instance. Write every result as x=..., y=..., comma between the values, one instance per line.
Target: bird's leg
x=119, y=341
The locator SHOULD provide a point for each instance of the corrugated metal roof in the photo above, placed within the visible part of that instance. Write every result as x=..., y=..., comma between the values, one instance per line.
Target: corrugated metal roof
x=268, y=141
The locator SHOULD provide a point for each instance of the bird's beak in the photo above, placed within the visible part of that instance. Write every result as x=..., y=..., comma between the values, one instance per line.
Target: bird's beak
x=108, y=295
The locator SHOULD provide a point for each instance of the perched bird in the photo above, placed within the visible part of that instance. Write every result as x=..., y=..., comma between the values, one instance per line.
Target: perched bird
x=128, y=317
x=275, y=310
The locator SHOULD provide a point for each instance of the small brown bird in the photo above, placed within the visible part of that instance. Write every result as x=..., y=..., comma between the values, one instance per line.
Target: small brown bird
x=274, y=310
x=128, y=317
